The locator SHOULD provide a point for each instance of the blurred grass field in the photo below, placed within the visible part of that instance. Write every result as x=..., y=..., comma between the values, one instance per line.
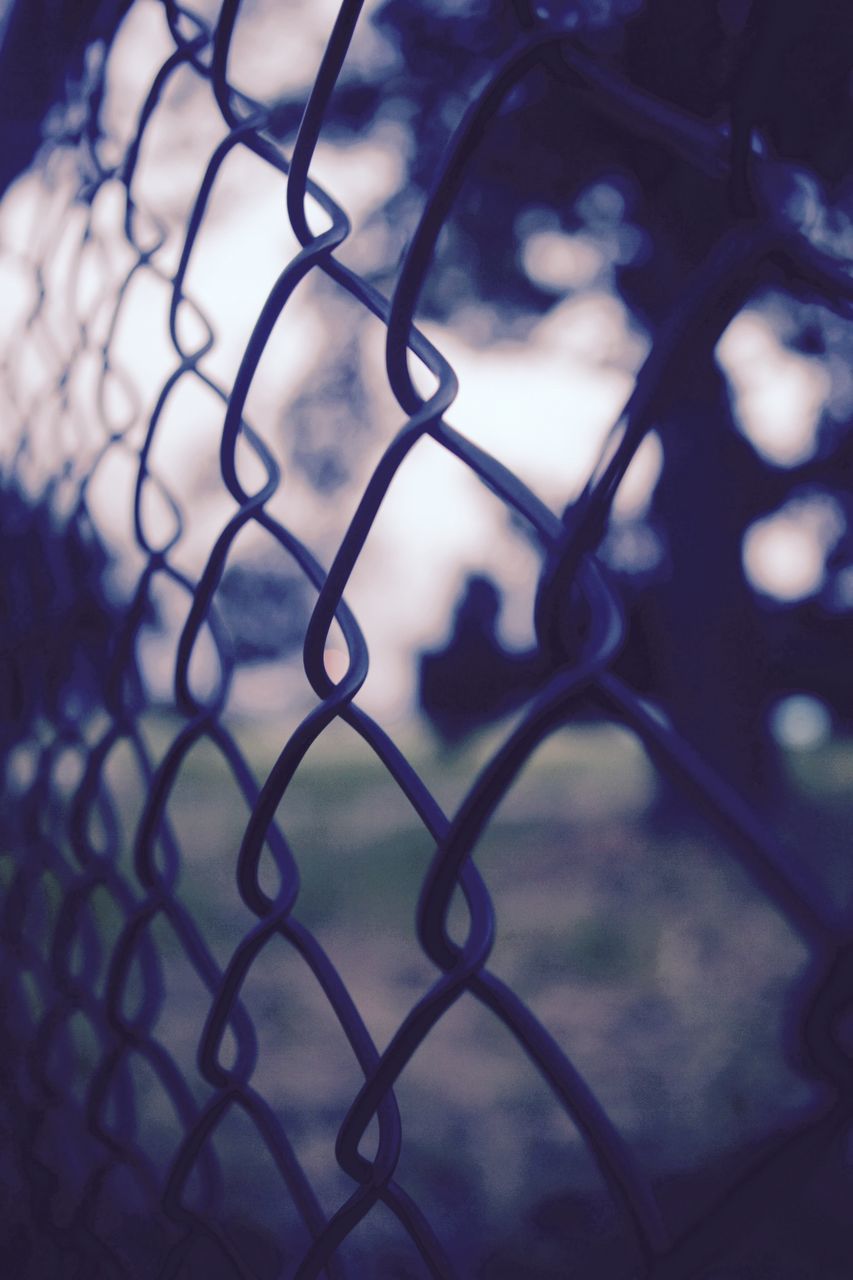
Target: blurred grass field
x=624, y=922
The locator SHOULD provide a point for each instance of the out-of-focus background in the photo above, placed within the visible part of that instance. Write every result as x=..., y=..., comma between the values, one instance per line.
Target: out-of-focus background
x=565, y=248
x=624, y=920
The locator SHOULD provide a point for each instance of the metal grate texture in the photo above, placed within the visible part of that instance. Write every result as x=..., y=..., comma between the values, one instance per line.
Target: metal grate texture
x=82, y=902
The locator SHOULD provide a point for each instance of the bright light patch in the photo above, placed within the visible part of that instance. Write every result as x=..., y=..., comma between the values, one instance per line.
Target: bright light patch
x=336, y=663
x=538, y=406
x=635, y=492
x=779, y=395
x=364, y=176
x=785, y=554
x=800, y=722
x=556, y=261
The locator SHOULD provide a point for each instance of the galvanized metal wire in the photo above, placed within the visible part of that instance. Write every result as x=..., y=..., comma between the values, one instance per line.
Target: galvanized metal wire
x=63, y=856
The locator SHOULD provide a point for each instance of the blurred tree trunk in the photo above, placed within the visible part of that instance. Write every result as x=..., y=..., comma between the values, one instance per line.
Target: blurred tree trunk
x=704, y=624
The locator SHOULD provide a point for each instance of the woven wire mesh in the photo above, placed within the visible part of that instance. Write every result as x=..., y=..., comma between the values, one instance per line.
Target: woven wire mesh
x=93, y=879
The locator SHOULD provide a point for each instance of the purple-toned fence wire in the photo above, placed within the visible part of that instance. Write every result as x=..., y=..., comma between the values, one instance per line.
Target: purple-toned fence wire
x=78, y=1142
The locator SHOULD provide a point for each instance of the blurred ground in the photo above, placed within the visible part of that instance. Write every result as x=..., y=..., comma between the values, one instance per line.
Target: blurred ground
x=625, y=923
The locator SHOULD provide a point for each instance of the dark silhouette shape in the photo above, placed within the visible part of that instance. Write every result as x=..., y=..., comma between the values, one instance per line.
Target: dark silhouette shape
x=473, y=679
x=57, y=621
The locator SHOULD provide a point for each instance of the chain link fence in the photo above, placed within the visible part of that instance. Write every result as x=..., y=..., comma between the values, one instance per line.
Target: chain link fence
x=131, y=1041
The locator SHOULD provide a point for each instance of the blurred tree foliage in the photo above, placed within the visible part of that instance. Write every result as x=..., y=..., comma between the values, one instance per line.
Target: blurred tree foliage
x=557, y=157
x=44, y=48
